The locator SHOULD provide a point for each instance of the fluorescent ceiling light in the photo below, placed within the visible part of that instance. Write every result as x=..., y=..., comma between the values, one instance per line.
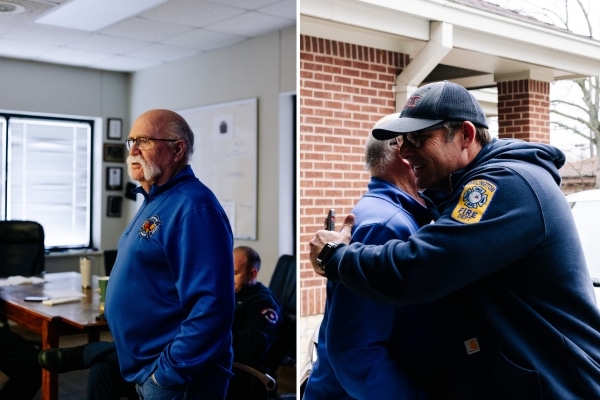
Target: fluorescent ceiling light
x=92, y=15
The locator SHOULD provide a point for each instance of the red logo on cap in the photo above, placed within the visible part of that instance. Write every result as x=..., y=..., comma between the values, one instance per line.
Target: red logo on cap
x=412, y=101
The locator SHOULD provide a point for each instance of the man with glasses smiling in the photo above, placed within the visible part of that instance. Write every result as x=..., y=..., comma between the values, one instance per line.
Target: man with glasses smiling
x=170, y=300
x=503, y=255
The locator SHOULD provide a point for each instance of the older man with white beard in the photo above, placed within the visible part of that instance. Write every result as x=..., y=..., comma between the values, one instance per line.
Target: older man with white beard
x=170, y=300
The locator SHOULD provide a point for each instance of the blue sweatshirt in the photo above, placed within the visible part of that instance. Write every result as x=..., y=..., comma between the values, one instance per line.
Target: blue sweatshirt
x=505, y=257
x=170, y=299
x=370, y=350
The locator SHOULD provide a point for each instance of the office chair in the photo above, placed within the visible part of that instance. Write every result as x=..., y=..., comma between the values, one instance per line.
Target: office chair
x=251, y=382
x=21, y=251
x=21, y=248
x=110, y=257
x=283, y=283
x=283, y=286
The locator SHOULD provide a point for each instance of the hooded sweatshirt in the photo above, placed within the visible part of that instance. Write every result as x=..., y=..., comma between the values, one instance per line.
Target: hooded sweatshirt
x=505, y=259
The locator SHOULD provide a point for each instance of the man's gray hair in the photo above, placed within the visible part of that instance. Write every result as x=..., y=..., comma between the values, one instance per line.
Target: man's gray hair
x=379, y=154
x=180, y=128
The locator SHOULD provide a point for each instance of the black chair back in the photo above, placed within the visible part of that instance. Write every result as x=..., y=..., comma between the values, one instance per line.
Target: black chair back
x=283, y=286
x=110, y=257
x=21, y=248
x=283, y=283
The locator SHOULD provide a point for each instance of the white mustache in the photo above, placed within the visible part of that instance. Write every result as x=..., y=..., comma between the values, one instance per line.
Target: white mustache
x=134, y=160
x=149, y=170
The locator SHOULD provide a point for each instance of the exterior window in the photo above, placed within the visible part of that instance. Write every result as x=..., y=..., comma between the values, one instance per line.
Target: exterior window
x=46, y=173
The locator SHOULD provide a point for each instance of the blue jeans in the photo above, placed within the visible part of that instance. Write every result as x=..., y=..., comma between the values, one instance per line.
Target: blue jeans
x=150, y=390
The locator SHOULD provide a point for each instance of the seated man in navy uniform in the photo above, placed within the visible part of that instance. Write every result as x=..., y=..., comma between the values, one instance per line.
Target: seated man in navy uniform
x=256, y=321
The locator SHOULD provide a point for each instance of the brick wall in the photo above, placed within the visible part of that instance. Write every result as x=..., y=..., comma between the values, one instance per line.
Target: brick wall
x=344, y=90
x=523, y=110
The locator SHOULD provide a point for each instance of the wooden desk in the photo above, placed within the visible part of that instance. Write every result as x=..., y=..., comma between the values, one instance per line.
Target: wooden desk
x=51, y=322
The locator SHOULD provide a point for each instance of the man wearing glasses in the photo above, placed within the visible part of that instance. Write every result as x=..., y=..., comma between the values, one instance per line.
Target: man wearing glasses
x=170, y=300
x=396, y=347
x=503, y=255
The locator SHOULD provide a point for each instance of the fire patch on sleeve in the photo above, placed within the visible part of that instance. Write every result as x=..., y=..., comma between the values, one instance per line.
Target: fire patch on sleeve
x=474, y=200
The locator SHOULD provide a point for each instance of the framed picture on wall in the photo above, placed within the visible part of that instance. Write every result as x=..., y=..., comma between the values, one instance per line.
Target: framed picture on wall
x=115, y=129
x=114, y=206
x=114, y=152
x=114, y=178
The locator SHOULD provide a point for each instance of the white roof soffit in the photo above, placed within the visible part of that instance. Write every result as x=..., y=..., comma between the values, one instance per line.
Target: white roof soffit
x=482, y=41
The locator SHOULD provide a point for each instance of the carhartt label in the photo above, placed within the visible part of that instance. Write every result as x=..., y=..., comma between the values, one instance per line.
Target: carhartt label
x=472, y=346
x=3, y=379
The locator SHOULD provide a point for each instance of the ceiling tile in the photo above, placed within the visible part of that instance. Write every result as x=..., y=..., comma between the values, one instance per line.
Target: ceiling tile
x=144, y=29
x=202, y=39
x=42, y=34
x=192, y=13
x=163, y=52
x=125, y=63
x=250, y=24
x=13, y=48
x=76, y=57
x=175, y=29
x=247, y=4
x=284, y=9
x=107, y=44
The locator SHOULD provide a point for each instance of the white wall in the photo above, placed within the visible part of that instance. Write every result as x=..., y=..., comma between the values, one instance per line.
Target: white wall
x=49, y=88
x=263, y=67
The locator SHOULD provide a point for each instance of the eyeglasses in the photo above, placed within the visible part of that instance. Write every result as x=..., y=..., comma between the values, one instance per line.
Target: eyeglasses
x=416, y=139
x=143, y=143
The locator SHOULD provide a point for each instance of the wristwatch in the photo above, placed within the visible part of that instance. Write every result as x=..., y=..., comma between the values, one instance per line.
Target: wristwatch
x=325, y=254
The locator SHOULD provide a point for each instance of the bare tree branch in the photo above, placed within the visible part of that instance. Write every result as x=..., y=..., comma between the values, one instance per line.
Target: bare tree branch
x=575, y=114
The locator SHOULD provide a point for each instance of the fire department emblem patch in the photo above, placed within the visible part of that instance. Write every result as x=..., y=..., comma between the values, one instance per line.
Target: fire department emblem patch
x=149, y=227
x=474, y=200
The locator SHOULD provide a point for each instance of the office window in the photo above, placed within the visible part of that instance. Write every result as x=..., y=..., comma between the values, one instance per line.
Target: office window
x=46, y=174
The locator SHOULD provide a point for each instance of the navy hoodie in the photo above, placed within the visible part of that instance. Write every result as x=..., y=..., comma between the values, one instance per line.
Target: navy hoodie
x=505, y=259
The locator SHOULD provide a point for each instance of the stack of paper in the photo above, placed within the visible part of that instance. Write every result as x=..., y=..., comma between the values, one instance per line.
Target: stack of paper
x=20, y=280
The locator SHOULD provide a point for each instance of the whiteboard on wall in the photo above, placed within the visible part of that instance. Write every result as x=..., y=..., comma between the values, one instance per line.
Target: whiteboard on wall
x=225, y=158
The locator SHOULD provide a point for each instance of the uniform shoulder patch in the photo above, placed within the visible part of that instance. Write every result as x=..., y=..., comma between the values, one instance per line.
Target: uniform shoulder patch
x=474, y=200
x=270, y=315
